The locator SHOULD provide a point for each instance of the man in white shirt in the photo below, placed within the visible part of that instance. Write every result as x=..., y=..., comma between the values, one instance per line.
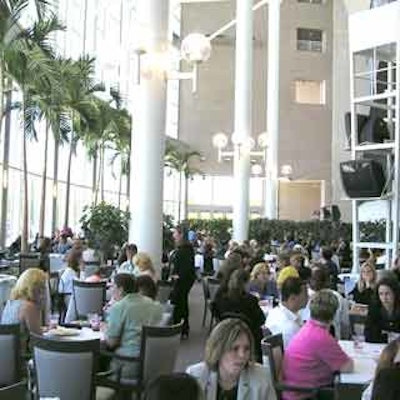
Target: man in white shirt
x=285, y=319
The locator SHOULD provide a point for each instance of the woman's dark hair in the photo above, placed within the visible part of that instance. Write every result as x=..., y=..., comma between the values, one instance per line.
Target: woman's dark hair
x=394, y=286
x=387, y=384
x=326, y=252
x=45, y=245
x=237, y=283
x=146, y=286
x=74, y=259
x=319, y=277
x=126, y=282
x=176, y=386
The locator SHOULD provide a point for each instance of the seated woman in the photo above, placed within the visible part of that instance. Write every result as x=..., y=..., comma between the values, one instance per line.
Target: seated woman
x=388, y=364
x=27, y=300
x=44, y=250
x=235, y=299
x=74, y=261
x=144, y=265
x=126, y=318
x=228, y=370
x=313, y=355
x=128, y=266
x=365, y=287
x=261, y=283
x=384, y=312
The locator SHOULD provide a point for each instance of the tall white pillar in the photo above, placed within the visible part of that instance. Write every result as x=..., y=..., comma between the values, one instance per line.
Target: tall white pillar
x=148, y=136
x=272, y=166
x=243, y=117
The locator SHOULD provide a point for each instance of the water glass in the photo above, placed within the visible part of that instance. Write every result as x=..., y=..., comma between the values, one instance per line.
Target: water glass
x=53, y=321
x=94, y=320
x=358, y=342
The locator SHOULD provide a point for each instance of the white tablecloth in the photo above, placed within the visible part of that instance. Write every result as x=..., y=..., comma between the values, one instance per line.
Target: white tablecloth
x=365, y=361
x=84, y=334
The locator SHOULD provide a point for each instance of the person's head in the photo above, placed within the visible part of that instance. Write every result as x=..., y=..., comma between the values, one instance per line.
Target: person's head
x=130, y=251
x=176, y=386
x=45, y=245
x=30, y=286
x=74, y=259
x=326, y=253
x=238, y=281
x=319, y=278
x=146, y=286
x=143, y=262
x=78, y=245
x=323, y=306
x=283, y=259
x=230, y=346
x=294, y=294
x=297, y=260
x=388, y=292
x=123, y=284
x=390, y=356
x=260, y=272
x=367, y=276
x=177, y=234
x=396, y=264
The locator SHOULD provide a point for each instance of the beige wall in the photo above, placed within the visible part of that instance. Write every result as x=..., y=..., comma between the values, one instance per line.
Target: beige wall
x=305, y=130
x=298, y=199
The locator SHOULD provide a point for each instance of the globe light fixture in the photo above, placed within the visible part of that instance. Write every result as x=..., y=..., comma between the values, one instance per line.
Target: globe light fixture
x=286, y=170
x=220, y=140
x=256, y=169
x=196, y=48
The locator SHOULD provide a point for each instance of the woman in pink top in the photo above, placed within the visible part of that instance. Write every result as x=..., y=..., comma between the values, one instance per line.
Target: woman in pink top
x=313, y=355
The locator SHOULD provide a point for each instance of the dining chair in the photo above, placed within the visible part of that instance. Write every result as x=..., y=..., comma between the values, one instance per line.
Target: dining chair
x=65, y=369
x=164, y=290
x=10, y=353
x=213, y=286
x=273, y=349
x=158, y=353
x=28, y=260
x=88, y=298
x=16, y=391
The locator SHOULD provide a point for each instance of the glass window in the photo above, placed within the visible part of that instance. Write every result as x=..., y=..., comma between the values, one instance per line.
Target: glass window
x=310, y=1
x=309, y=39
x=200, y=190
x=222, y=190
x=309, y=92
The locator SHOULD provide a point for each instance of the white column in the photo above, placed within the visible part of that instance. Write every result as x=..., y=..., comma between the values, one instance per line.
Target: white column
x=148, y=136
x=272, y=166
x=243, y=117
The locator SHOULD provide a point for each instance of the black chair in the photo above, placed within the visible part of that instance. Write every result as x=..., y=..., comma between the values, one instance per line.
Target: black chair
x=158, y=353
x=64, y=368
x=10, y=353
x=88, y=298
x=273, y=349
x=210, y=288
x=28, y=260
x=357, y=323
x=17, y=391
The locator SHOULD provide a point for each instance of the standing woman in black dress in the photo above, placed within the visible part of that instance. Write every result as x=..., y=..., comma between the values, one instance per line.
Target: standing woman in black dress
x=184, y=275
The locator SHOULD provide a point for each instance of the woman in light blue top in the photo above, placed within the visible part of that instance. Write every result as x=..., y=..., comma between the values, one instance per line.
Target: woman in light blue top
x=126, y=318
x=128, y=267
x=27, y=300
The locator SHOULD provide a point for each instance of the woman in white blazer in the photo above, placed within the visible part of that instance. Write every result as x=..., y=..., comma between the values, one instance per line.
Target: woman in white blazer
x=229, y=371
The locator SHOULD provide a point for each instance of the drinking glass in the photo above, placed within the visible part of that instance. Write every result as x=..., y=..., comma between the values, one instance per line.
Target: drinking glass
x=53, y=321
x=358, y=342
x=94, y=320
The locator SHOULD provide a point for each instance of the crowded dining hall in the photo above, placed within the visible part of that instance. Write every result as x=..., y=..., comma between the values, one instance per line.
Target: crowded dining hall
x=166, y=232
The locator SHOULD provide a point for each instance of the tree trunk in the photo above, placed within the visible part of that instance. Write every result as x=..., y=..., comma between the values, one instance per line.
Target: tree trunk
x=55, y=184
x=186, y=201
x=98, y=178
x=44, y=184
x=128, y=184
x=102, y=173
x=179, y=196
x=120, y=184
x=94, y=176
x=4, y=174
x=25, y=215
x=68, y=180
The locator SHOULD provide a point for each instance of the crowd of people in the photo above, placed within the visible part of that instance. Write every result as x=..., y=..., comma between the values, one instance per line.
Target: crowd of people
x=303, y=288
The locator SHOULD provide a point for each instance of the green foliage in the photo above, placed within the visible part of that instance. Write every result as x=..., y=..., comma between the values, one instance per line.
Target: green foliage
x=168, y=225
x=105, y=226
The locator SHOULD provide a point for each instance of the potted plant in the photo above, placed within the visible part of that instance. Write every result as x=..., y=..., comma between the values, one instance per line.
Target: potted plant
x=105, y=227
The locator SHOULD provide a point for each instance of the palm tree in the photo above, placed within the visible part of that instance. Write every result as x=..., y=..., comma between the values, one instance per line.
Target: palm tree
x=81, y=105
x=26, y=60
x=180, y=159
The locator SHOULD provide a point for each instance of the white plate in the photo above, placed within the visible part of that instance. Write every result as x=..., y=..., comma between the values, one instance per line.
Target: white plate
x=61, y=331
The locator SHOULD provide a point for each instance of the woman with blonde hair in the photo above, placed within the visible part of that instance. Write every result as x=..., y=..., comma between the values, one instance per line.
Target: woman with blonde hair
x=228, y=370
x=27, y=300
x=144, y=265
x=364, y=291
x=262, y=285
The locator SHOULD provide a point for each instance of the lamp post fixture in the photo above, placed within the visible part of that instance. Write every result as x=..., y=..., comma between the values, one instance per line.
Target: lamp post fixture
x=195, y=49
